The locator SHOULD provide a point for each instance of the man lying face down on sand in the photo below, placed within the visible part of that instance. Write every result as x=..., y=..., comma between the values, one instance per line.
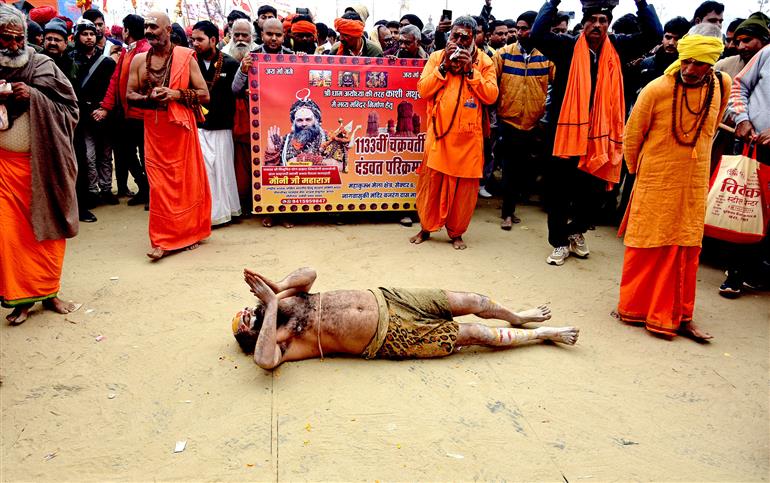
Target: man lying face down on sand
x=291, y=324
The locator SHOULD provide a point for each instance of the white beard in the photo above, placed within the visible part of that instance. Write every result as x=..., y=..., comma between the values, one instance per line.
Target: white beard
x=238, y=52
x=14, y=60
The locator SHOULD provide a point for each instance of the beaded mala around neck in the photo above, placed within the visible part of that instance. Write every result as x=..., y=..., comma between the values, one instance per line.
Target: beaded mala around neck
x=701, y=112
x=157, y=78
x=217, y=70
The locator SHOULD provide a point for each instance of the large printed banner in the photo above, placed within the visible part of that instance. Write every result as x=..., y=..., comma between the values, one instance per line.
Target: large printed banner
x=331, y=133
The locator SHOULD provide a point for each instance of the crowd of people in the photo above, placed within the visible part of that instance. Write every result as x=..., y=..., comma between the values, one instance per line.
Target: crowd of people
x=605, y=122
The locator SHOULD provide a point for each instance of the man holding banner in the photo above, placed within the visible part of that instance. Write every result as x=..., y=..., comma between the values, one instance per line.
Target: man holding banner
x=456, y=82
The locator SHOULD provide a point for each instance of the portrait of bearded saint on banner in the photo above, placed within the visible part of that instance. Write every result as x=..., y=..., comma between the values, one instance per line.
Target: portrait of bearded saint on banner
x=307, y=144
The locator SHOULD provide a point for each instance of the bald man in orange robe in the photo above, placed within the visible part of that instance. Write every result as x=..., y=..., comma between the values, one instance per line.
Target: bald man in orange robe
x=457, y=82
x=170, y=87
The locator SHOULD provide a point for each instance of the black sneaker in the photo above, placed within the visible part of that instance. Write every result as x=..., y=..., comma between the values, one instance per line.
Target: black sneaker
x=731, y=287
x=87, y=217
x=139, y=199
x=109, y=198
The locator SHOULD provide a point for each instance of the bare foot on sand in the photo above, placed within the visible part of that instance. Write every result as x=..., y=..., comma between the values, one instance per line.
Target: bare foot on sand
x=60, y=306
x=540, y=313
x=565, y=335
x=156, y=253
x=19, y=314
x=287, y=224
x=689, y=329
x=458, y=243
x=267, y=221
x=192, y=247
x=420, y=237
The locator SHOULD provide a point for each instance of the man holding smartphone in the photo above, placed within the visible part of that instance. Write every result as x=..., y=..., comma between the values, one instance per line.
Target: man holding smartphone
x=457, y=82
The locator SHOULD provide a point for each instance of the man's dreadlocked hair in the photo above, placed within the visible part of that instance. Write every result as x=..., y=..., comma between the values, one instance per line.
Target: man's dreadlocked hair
x=305, y=104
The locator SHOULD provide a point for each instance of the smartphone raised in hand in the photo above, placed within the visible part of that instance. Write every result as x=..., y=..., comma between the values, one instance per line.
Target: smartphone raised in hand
x=446, y=15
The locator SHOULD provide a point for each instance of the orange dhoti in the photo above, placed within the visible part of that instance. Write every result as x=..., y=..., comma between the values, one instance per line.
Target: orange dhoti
x=658, y=287
x=180, y=197
x=444, y=200
x=30, y=270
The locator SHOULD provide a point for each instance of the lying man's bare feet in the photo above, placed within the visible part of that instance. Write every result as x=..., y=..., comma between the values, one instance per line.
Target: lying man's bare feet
x=19, y=314
x=420, y=237
x=60, y=306
x=458, y=243
x=689, y=329
x=540, y=313
x=565, y=335
x=156, y=253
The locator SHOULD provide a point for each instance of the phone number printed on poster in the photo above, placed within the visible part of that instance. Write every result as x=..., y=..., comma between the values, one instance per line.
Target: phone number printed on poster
x=335, y=133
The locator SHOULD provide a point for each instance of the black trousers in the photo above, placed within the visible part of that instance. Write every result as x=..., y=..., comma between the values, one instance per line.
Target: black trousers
x=518, y=150
x=572, y=199
x=128, y=145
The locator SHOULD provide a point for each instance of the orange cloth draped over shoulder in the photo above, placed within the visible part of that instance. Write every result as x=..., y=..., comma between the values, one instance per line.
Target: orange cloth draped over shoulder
x=447, y=187
x=594, y=133
x=30, y=270
x=180, y=198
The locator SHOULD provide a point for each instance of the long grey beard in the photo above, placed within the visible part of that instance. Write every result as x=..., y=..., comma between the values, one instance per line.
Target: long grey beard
x=308, y=134
x=239, y=51
x=15, y=59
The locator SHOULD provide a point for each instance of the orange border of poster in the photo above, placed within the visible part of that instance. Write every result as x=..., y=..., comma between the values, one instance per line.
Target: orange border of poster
x=371, y=138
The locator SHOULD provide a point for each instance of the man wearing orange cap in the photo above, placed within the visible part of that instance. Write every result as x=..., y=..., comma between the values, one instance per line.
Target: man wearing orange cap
x=352, y=41
x=303, y=34
x=457, y=82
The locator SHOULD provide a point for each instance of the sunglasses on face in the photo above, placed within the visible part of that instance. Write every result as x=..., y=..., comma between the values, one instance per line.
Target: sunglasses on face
x=10, y=37
x=461, y=37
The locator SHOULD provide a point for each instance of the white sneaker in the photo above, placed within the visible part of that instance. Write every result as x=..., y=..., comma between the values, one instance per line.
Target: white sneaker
x=577, y=245
x=484, y=193
x=558, y=256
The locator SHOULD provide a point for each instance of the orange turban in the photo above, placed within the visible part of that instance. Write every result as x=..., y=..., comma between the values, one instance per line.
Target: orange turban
x=304, y=27
x=287, y=22
x=353, y=28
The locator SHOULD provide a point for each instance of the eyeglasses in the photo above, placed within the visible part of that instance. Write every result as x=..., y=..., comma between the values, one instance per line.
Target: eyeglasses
x=10, y=37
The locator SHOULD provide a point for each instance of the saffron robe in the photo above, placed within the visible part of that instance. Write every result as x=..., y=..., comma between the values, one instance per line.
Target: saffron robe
x=447, y=187
x=663, y=224
x=30, y=270
x=180, y=198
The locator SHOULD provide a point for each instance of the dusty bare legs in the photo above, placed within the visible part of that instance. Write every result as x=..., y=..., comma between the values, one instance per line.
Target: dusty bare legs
x=465, y=303
x=480, y=334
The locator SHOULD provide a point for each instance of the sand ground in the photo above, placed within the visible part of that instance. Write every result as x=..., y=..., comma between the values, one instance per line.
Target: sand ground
x=621, y=405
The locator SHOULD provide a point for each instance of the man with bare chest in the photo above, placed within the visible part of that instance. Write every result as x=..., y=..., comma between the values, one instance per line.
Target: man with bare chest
x=290, y=323
x=167, y=84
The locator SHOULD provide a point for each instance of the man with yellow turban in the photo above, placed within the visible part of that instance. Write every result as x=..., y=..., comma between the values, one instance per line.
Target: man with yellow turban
x=352, y=41
x=667, y=144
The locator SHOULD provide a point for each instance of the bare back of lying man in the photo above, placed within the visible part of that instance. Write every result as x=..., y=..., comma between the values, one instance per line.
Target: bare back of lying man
x=291, y=324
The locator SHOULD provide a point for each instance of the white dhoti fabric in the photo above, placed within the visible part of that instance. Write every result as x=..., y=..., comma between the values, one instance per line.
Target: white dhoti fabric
x=218, y=153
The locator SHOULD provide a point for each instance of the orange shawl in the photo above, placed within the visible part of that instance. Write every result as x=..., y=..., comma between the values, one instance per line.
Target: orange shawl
x=594, y=133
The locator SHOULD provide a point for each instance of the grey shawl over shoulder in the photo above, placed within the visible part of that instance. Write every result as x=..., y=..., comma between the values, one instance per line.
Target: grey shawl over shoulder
x=53, y=114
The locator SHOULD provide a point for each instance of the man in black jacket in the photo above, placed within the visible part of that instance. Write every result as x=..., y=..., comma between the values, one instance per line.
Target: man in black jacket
x=572, y=193
x=216, y=132
x=653, y=66
x=90, y=78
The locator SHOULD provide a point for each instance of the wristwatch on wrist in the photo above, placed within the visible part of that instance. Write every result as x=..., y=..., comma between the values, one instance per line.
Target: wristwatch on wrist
x=442, y=69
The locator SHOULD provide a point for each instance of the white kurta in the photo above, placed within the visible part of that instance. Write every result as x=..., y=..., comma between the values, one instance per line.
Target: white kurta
x=218, y=153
